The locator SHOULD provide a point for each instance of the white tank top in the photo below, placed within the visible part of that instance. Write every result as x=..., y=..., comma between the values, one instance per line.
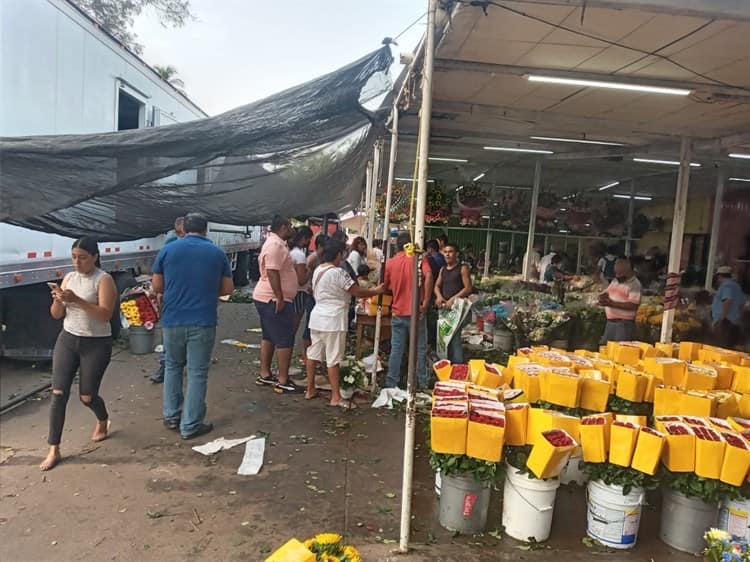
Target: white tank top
x=77, y=322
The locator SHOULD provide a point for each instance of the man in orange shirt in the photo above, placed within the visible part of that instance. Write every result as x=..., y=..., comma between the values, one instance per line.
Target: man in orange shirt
x=273, y=296
x=399, y=280
x=620, y=302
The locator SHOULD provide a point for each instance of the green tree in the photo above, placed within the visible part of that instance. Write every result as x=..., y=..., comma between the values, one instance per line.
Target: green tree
x=169, y=74
x=117, y=16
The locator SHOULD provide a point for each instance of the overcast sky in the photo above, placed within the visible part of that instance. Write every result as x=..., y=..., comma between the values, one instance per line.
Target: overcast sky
x=239, y=51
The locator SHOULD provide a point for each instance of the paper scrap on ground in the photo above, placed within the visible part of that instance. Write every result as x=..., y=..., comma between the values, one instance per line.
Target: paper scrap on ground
x=252, y=461
x=238, y=343
x=217, y=445
x=389, y=395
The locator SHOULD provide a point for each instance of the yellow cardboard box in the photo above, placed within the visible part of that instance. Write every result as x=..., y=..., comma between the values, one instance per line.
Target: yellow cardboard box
x=709, y=454
x=741, y=379
x=560, y=387
x=631, y=385
x=627, y=353
x=699, y=377
x=648, y=450
x=491, y=376
x=484, y=441
x=671, y=372
x=448, y=435
x=727, y=404
x=516, y=423
x=667, y=401
x=622, y=441
x=659, y=421
x=666, y=349
x=539, y=420
x=547, y=460
x=696, y=403
x=736, y=463
x=629, y=418
x=594, y=392
x=292, y=551
x=688, y=351
x=442, y=369
x=571, y=424
x=679, y=447
x=594, y=442
x=476, y=369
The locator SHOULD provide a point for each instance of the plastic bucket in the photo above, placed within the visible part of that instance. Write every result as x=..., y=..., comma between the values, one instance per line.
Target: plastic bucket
x=464, y=503
x=611, y=517
x=684, y=521
x=504, y=340
x=528, y=505
x=571, y=474
x=734, y=517
x=141, y=340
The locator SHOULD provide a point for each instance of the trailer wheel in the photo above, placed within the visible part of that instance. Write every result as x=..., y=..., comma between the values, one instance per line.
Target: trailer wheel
x=242, y=269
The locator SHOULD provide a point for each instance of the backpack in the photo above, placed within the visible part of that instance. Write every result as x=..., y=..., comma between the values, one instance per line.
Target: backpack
x=609, y=268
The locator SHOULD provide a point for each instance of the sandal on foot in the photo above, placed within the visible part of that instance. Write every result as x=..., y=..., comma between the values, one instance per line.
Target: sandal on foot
x=266, y=381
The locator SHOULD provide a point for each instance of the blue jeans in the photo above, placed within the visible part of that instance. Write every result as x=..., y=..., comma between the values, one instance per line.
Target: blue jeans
x=399, y=342
x=455, y=349
x=189, y=346
x=619, y=331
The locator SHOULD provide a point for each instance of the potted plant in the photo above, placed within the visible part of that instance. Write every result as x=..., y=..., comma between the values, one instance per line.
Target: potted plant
x=690, y=505
x=615, y=498
x=351, y=376
x=465, y=487
x=723, y=547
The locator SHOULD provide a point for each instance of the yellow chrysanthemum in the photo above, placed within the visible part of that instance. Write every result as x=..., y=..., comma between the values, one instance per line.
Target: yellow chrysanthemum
x=308, y=543
x=329, y=558
x=717, y=535
x=327, y=538
x=351, y=554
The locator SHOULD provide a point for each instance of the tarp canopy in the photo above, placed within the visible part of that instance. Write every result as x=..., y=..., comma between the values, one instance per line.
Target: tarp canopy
x=300, y=152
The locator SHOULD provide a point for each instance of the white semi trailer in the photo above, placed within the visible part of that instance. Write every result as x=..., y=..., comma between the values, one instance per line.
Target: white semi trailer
x=61, y=73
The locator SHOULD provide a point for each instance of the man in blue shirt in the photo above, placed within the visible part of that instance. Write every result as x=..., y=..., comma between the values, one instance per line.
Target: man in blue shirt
x=192, y=273
x=726, y=309
x=179, y=232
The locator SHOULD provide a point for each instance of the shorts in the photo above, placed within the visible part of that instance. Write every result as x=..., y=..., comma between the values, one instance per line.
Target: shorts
x=300, y=303
x=327, y=346
x=277, y=328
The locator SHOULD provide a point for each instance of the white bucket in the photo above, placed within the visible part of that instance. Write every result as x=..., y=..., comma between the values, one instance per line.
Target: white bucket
x=572, y=474
x=734, y=517
x=504, y=340
x=528, y=505
x=438, y=482
x=612, y=518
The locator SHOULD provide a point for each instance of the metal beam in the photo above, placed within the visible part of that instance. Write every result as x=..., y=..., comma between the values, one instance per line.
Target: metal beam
x=713, y=242
x=445, y=65
x=532, y=221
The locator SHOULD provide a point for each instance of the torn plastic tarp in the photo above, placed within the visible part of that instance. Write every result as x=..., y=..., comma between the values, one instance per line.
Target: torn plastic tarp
x=300, y=152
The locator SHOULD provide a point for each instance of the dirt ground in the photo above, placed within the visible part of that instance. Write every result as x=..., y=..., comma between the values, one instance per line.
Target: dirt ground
x=145, y=495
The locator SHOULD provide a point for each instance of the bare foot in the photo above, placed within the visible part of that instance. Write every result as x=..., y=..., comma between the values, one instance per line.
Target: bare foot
x=101, y=430
x=345, y=404
x=53, y=457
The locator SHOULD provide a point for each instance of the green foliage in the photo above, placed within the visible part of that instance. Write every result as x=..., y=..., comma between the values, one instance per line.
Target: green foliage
x=621, y=406
x=516, y=456
x=462, y=465
x=615, y=475
x=707, y=489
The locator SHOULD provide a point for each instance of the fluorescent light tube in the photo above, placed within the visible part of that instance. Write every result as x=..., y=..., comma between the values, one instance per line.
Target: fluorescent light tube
x=666, y=162
x=739, y=179
x=579, y=141
x=637, y=197
x=479, y=177
x=614, y=183
x=526, y=150
x=609, y=85
x=738, y=155
x=642, y=198
x=410, y=179
x=446, y=159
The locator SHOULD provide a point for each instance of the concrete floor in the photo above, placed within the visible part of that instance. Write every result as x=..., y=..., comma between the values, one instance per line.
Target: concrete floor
x=145, y=495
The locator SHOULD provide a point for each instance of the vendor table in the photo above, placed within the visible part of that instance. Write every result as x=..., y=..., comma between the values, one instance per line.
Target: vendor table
x=367, y=321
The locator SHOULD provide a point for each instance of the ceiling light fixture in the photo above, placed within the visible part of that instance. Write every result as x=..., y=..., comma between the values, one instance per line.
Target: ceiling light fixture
x=609, y=85
x=479, y=177
x=666, y=162
x=579, y=141
x=526, y=150
x=614, y=183
x=410, y=179
x=446, y=159
x=637, y=197
x=739, y=179
x=739, y=155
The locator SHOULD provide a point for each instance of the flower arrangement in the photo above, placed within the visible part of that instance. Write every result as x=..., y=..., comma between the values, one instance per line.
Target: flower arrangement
x=399, y=202
x=723, y=547
x=616, y=475
x=470, y=201
x=438, y=205
x=330, y=547
x=352, y=373
x=540, y=325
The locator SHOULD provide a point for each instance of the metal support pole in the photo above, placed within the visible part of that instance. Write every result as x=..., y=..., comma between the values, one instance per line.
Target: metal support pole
x=488, y=242
x=678, y=229
x=579, y=259
x=631, y=210
x=425, y=115
x=512, y=250
x=368, y=193
x=376, y=165
x=714, y=240
x=532, y=221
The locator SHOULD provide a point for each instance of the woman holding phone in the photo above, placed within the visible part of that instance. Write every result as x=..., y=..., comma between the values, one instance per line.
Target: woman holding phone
x=85, y=302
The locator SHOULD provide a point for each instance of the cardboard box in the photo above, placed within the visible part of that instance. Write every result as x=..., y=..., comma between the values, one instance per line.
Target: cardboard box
x=667, y=401
x=547, y=459
x=736, y=462
x=679, y=447
x=709, y=452
x=622, y=442
x=594, y=392
x=631, y=386
x=516, y=424
x=648, y=450
x=485, y=441
x=594, y=441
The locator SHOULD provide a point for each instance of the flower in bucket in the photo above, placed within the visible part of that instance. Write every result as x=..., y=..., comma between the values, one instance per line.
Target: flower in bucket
x=352, y=373
x=723, y=547
x=329, y=547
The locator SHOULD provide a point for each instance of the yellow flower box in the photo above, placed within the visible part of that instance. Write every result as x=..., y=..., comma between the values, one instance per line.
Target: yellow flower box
x=514, y=360
x=739, y=424
x=476, y=368
x=694, y=403
x=491, y=376
x=631, y=386
x=627, y=353
x=571, y=424
x=679, y=447
x=292, y=551
x=709, y=452
x=448, y=435
x=623, y=436
x=637, y=420
x=727, y=404
x=485, y=441
x=671, y=372
x=698, y=377
x=651, y=383
x=648, y=451
x=666, y=349
x=721, y=425
x=442, y=369
x=724, y=374
x=516, y=423
x=741, y=379
x=743, y=405
x=594, y=438
x=594, y=392
x=560, y=387
x=736, y=463
x=550, y=453
x=688, y=351
x=647, y=350
x=659, y=421
x=539, y=420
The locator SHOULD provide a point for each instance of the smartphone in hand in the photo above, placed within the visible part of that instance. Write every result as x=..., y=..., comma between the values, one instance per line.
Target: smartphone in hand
x=54, y=287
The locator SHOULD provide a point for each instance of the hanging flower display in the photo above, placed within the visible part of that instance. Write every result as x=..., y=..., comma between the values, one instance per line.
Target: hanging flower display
x=399, y=203
x=470, y=199
x=438, y=207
